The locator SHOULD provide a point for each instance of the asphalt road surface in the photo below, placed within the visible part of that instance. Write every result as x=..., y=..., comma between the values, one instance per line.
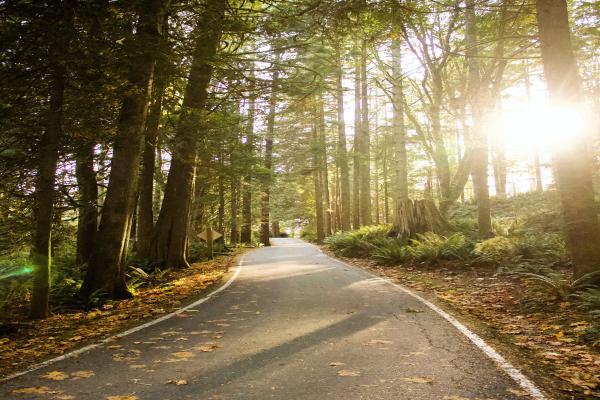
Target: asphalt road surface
x=295, y=324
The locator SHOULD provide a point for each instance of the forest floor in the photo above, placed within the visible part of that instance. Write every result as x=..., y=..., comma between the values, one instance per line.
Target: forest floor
x=28, y=343
x=554, y=343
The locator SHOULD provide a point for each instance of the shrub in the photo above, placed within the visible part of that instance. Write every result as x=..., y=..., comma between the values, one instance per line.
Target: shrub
x=563, y=286
x=496, y=249
x=432, y=247
x=392, y=252
x=358, y=243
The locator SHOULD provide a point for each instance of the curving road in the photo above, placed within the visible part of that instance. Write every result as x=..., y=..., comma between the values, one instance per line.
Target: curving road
x=295, y=324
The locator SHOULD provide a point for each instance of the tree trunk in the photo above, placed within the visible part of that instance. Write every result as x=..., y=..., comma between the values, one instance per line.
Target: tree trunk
x=399, y=127
x=246, y=233
x=268, y=163
x=356, y=149
x=572, y=159
x=342, y=152
x=479, y=107
x=170, y=237
x=105, y=270
x=323, y=167
x=87, y=219
x=318, y=185
x=146, y=187
x=48, y=159
x=221, y=187
x=417, y=217
x=365, y=173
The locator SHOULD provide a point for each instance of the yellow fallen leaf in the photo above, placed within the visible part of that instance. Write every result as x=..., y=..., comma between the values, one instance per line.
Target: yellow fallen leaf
x=455, y=398
x=129, y=397
x=207, y=347
x=518, y=392
x=183, y=354
x=56, y=376
x=34, y=390
x=177, y=382
x=137, y=366
x=378, y=341
x=336, y=364
x=418, y=379
x=347, y=372
x=83, y=374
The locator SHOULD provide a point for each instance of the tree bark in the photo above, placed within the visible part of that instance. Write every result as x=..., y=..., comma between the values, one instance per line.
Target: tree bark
x=246, y=232
x=105, y=269
x=146, y=187
x=479, y=107
x=572, y=159
x=45, y=192
x=318, y=185
x=87, y=219
x=365, y=174
x=170, y=237
x=356, y=149
x=323, y=167
x=342, y=152
x=268, y=162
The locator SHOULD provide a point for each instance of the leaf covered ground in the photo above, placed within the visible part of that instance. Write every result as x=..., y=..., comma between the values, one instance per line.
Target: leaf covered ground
x=25, y=344
x=553, y=342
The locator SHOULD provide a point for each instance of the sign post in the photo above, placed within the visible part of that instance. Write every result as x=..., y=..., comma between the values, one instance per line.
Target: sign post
x=209, y=236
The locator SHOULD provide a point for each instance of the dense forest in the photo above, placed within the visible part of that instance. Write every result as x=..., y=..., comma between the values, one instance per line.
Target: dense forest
x=404, y=132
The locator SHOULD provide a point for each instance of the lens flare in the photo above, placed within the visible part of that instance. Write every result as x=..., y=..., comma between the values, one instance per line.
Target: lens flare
x=13, y=272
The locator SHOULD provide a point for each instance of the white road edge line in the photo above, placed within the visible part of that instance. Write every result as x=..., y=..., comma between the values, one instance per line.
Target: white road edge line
x=138, y=328
x=500, y=361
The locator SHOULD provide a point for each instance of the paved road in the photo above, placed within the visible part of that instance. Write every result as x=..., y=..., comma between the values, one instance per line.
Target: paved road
x=295, y=324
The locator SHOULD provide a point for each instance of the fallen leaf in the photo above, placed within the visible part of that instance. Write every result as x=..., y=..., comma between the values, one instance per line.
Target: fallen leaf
x=183, y=354
x=347, y=372
x=177, y=382
x=377, y=341
x=418, y=379
x=455, y=398
x=34, y=390
x=83, y=374
x=413, y=310
x=208, y=347
x=518, y=392
x=336, y=364
x=56, y=376
x=129, y=397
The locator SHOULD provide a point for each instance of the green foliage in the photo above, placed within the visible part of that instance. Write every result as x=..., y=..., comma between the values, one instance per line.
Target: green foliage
x=358, y=243
x=431, y=247
x=589, y=299
x=392, y=252
x=561, y=285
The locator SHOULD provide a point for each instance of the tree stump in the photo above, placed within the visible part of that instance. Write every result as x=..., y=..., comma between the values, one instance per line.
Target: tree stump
x=416, y=217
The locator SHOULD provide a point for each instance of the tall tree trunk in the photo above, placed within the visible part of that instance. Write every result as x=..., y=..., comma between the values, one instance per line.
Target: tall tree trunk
x=572, y=159
x=169, y=240
x=365, y=174
x=323, y=167
x=87, y=220
x=356, y=149
x=268, y=162
x=318, y=183
x=342, y=152
x=105, y=269
x=246, y=233
x=399, y=126
x=146, y=187
x=479, y=106
x=221, y=187
x=48, y=159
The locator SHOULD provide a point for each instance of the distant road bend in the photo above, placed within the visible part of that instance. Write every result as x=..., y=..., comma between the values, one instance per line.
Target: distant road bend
x=295, y=324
